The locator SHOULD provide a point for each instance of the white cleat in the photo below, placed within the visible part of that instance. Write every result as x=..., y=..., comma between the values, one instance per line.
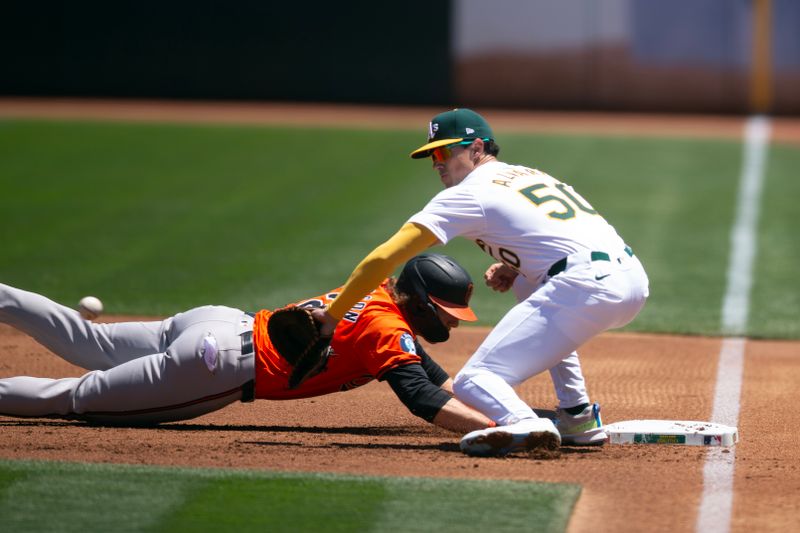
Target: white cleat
x=583, y=429
x=526, y=435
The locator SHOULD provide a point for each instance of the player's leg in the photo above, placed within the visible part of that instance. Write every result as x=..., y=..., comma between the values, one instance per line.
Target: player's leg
x=185, y=381
x=541, y=332
x=488, y=387
x=536, y=335
x=569, y=383
x=577, y=418
x=86, y=344
x=567, y=376
x=524, y=343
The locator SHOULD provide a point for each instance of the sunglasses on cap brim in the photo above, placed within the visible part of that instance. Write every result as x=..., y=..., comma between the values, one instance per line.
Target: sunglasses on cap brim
x=443, y=153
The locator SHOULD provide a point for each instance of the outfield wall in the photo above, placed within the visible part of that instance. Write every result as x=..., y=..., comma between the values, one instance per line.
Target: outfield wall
x=242, y=49
x=681, y=55
x=717, y=56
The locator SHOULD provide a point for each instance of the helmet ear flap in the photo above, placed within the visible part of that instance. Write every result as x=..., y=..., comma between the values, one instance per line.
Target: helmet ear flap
x=423, y=316
x=420, y=307
x=426, y=307
x=417, y=305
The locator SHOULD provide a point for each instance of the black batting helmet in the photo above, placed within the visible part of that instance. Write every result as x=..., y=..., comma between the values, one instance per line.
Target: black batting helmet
x=431, y=281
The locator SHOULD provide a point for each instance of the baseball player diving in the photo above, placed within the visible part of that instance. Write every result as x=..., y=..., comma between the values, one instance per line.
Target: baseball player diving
x=199, y=361
x=572, y=275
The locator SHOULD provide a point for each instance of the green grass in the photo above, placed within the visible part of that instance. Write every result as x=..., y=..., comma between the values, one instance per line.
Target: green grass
x=62, y=497
x=157, y=218
x=775, y=297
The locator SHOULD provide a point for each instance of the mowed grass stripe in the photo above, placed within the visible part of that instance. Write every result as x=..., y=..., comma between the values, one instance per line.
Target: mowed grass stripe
x=46, y=496
x=58, y=497
x=302, y=503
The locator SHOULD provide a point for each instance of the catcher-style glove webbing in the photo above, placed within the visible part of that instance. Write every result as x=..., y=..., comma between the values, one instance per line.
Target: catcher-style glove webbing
x=295, y=335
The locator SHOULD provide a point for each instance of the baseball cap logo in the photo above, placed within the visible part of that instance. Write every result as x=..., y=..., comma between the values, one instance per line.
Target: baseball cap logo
x=470, y=131
x=433, y=127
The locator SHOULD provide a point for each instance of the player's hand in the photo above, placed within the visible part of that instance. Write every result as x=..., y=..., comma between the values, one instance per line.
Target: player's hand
x=326, y=321
x=500, y=277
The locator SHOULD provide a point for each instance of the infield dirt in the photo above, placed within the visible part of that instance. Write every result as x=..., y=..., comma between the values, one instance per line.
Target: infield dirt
x=368, y=431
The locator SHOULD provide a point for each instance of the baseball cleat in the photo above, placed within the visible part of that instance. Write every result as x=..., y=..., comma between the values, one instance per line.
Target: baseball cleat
x=583, y=429
x=526, y=435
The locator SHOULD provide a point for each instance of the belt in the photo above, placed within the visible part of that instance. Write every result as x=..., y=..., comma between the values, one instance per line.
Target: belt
x=247, y=342
x=249, y=388
x=561, y=265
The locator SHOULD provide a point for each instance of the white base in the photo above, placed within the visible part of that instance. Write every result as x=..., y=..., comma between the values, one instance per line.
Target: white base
x=688, y=433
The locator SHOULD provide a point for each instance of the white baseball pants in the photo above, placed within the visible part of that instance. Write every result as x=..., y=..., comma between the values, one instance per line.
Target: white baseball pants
x=140, y=372
x=545, y=329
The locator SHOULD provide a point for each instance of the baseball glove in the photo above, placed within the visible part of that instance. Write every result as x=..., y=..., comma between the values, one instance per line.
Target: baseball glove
x=295, y=335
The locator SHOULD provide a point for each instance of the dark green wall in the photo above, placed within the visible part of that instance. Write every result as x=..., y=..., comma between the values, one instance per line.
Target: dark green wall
x=376, y=52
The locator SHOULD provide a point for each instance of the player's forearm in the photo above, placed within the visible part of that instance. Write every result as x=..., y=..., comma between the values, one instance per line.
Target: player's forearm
x=447, y=386
x=430, y=402
x=410, y=240
x=455, y=416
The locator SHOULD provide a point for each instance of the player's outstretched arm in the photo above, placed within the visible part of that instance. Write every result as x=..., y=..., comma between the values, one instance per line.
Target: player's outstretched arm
x=457, y=416
x=409, y=240
x=431, y=402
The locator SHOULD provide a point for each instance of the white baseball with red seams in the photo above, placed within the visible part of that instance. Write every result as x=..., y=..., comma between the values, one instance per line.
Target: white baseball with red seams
x=90, y=307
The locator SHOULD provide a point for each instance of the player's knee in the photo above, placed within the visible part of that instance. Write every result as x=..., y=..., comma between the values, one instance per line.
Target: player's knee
x=463, y=382
x=458, y=384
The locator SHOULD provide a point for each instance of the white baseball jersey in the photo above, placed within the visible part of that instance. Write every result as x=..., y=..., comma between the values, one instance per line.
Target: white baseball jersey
x=523, y=217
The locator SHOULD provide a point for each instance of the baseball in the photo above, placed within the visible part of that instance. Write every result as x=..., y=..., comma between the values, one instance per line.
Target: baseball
x=90, y=307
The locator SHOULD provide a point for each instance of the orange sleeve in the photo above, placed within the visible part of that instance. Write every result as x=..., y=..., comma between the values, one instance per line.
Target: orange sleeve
x=409, y=240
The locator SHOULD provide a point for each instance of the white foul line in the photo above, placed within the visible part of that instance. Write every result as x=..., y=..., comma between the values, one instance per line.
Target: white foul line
x=716, y=505
x=736, y=304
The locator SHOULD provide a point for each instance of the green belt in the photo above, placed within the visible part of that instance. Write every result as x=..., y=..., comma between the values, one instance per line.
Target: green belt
x=561, y=265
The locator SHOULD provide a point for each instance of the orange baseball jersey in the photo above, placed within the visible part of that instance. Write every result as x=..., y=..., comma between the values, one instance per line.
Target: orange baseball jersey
x=372, y=338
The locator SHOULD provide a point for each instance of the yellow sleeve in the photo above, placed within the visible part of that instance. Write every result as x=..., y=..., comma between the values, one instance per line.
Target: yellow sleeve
x=409, y=240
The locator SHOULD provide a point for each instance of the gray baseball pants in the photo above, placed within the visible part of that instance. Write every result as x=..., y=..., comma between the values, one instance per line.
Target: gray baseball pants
x=140, y=372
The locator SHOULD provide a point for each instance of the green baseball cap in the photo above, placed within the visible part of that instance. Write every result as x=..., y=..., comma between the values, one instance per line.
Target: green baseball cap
x=451, y=127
